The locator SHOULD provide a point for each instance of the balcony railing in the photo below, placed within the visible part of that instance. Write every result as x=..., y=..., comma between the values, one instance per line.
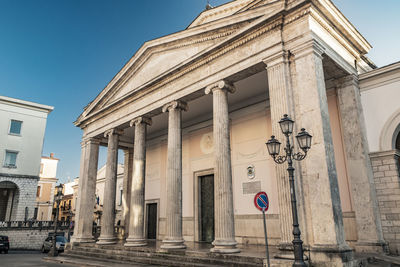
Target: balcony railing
x=41, y=225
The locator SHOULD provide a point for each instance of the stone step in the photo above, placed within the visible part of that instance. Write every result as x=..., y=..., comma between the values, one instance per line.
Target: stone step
x=145, y=260
x=162, y=258
x=188, y=255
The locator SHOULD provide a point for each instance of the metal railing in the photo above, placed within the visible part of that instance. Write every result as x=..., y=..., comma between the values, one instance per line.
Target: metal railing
x=14, y=225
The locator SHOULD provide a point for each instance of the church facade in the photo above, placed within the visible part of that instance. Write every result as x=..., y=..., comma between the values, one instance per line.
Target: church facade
x=193, y=110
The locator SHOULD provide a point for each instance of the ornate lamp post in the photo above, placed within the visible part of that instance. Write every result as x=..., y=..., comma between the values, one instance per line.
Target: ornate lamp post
x=58, y=197
x=273, y=145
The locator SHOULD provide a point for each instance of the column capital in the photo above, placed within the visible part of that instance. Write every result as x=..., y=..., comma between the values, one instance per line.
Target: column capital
x=90, y=140
x=309, y=47
x=114, y=131
x=141, y=119
x=349, y=80
x=220, y=85
x=176, y=104
x=278, y=58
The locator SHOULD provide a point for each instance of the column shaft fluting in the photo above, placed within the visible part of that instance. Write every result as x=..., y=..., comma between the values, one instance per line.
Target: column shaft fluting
x=107, y=234
x=86, y=191
x=126, y=189
x=223, y=196
x=136, y=224
x=174, y=238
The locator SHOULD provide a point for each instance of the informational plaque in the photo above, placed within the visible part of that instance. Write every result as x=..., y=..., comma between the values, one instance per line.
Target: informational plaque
x=251, y=187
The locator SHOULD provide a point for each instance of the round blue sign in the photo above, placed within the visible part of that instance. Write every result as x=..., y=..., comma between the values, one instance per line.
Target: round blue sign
x=261, y=201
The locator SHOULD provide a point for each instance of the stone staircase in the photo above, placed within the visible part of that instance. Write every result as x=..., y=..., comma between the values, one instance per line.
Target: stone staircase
x=145, y=255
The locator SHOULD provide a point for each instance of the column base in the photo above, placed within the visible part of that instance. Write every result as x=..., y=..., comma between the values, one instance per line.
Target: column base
x=328, y=255
x=107, y=240
x=371, y=246
x=224, y=247
x=169, y=245
x=79, y=239
x=135, y=242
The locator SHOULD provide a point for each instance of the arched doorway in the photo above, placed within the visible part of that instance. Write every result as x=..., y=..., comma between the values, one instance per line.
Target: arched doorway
x=397, y=144
x=9, y=195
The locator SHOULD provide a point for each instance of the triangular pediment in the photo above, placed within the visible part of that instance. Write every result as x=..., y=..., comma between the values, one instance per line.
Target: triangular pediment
x=159, y=57
x=227, y=10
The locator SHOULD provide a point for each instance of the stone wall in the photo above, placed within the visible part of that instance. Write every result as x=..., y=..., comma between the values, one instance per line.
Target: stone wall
x=387, y=182
x=29, y=235
x=25, y=195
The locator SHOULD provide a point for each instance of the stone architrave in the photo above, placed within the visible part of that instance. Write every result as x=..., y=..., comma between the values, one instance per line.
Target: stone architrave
x=126, y=189
x=174, y=239
x=279, y=88
x=136, y=236
x=319, y=177
x=369, y=228
x=86, y=191
x=223, y=196
x=107, y=234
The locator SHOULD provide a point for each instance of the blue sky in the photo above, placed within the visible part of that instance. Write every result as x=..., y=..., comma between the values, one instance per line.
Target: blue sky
x=63, y=52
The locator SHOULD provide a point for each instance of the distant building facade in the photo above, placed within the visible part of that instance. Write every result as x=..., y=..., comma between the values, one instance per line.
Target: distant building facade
x=45, y=189
x=22, y=130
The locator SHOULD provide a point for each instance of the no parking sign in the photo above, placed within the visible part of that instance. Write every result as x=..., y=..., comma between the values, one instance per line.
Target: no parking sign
x=261, y=201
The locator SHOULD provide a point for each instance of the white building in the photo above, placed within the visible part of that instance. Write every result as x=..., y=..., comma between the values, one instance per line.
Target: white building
x=45, y=190
x=22, y=129
x=380, y=94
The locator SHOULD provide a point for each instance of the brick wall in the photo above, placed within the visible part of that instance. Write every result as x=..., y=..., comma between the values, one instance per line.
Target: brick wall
x=387, y=183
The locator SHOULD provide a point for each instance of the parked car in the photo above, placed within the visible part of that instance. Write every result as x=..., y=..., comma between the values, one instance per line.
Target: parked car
x=4, y=244
x=48, y=243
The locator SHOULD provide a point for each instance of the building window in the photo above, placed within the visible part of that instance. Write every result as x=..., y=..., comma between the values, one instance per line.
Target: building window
x=11, y=159
x=41, y=168
x=15, y=127
x=120, y=197
x=38, y=191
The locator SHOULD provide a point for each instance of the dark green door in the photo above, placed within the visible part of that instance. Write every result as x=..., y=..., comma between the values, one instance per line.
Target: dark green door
x=207, y=208
x=152, y=221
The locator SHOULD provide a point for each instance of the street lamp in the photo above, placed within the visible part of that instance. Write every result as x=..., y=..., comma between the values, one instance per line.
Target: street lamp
x=58, y=197
x=273, y=145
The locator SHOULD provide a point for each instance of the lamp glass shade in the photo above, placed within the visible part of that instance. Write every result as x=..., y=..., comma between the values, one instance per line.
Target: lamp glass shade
x=304, y=140
x=273, y=146
x=286, y=125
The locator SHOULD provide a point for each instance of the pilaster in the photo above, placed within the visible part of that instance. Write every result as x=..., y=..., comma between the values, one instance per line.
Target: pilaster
x=223, y=196
x=279, y=88
x=369, y=228
x=319, y=177
x=136, y=224
x=126, y=189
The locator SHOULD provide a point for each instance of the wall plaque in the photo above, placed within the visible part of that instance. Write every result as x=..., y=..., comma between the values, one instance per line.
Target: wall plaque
x=251, y=187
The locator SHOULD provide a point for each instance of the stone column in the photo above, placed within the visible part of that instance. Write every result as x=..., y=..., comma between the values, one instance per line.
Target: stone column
x=279, y=88
x=223, y=197
x=136, y=224
x=369, y=228
x=173, y=239
x=107, y=234
x=126, y=189
x=86, y=191
x=319, y=178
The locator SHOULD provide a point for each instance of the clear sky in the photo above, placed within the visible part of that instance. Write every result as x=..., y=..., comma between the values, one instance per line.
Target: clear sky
x=64, y=52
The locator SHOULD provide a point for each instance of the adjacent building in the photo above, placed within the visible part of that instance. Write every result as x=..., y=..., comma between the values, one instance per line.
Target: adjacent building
x=45, y=190
x=22, y=130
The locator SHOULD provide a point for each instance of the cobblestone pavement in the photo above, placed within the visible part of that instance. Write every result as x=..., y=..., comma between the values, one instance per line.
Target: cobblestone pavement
x=34, y=259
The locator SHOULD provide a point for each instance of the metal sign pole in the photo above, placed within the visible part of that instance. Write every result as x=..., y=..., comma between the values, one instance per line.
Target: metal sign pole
x=265, y=235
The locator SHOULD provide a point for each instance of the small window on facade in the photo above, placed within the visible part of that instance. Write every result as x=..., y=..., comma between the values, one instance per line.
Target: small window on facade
x=120, y=198
x=38, y=191
x=41, y=168
x=15, y=127
x=11, y=159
